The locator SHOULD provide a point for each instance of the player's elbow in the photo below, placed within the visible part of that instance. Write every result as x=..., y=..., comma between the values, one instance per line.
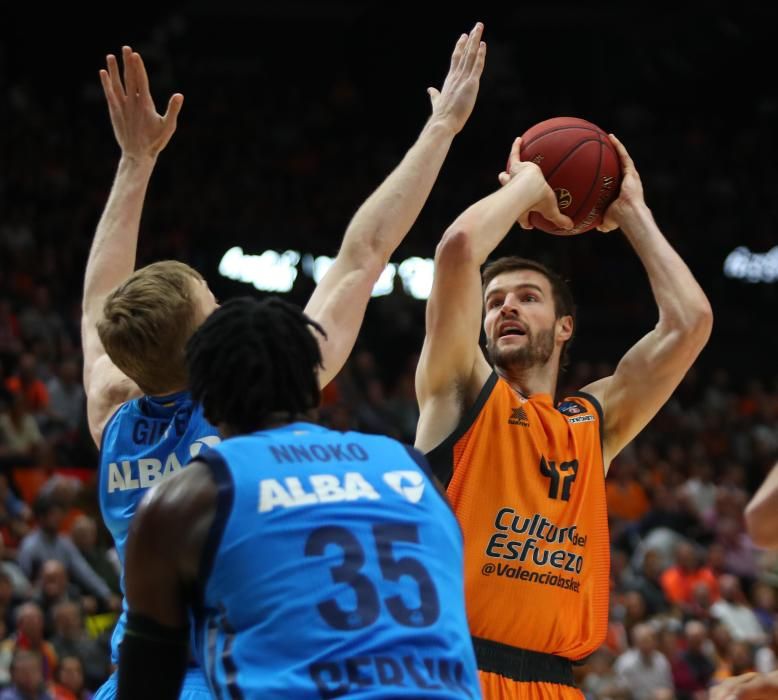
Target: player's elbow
x=455, y=248
x=762, y=524
x=694, y=324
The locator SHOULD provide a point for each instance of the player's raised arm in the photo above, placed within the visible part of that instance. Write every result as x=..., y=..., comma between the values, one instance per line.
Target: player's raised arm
x=452, y=365
x=381, y=223
x=163, y=562
x=141, y=134
x=651, y=370
x=762, y=512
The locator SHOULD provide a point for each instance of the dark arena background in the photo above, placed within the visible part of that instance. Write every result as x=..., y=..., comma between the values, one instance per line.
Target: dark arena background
x=294, y=112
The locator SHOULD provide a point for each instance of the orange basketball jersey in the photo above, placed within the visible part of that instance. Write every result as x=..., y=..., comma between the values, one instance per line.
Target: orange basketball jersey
x=526, y=480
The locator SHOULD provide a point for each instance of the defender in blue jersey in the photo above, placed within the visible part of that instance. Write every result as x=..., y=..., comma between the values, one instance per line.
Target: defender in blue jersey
x=135, y=324
x=312, y=563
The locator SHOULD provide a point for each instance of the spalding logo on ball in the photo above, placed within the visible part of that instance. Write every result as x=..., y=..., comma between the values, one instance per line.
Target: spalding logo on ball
x=581, y=165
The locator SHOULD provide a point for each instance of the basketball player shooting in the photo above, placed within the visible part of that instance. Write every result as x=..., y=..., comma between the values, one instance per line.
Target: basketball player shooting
x=135, y=323
x=525, y=474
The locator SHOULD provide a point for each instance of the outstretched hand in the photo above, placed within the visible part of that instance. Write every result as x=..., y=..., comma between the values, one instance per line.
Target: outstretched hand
x=631, y=192
x=546, y=204
x=139, y=129
x=749, y=686
x=454, y=102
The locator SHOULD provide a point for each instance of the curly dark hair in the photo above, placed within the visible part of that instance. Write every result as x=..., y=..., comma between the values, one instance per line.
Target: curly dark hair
x=252, y=359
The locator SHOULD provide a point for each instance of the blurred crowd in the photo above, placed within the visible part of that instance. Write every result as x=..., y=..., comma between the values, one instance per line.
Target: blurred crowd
x=692, y=600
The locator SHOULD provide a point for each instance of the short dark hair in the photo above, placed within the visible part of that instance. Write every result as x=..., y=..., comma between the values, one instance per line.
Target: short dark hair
x=251, y=359
x=564, y=304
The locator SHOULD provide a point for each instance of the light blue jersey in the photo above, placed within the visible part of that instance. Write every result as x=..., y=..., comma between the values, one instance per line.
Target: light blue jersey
x=333, y=567
x=146, y=440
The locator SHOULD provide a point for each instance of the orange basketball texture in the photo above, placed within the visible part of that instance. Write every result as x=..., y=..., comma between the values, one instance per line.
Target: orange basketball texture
x=581, y=165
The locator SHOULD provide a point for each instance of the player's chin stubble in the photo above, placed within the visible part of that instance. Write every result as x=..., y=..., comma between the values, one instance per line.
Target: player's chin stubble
x=536, y=351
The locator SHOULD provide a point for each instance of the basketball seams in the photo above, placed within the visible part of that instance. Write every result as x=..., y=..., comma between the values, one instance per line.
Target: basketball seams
x=560, y=128
x=595, y=180
x=567, y=155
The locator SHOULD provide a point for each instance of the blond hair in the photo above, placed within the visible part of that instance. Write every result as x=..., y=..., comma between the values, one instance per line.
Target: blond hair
x=147, y=321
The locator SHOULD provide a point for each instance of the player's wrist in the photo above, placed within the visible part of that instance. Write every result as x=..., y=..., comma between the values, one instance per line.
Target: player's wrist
x=442, y=126
x=135, y=161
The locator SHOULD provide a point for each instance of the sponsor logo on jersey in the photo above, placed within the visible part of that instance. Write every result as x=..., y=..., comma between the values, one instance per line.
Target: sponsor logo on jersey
x=571, y=408
x=409, y=484
x=127, y=475
x=588, y=418
x=292, y=492
x=539, y=544
x=519, y=417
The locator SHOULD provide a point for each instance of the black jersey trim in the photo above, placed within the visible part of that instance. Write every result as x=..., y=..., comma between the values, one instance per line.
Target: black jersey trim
x=442, y=457
x=522, y=665
x=225, y=497
x=597, y=407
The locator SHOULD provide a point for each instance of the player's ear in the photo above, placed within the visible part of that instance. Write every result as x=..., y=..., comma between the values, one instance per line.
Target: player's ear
x=564, y=328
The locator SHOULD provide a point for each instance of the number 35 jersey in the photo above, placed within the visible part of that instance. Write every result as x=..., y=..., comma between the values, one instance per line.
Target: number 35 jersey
x=526, y=480
x=334, y=567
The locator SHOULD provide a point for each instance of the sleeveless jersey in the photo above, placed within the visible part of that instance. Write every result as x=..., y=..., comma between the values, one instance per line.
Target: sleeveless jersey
x=333, y=567
x=527, y=483
x=146, y=440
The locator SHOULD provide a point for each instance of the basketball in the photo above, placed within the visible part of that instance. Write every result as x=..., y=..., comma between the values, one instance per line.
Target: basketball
x=581, y=165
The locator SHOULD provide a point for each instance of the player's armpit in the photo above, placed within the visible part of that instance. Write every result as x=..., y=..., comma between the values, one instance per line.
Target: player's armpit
x=106, y=388
x=643, y=381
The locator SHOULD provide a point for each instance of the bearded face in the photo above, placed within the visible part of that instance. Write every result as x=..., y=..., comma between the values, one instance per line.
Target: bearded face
x=535, y=350
x=520, y=321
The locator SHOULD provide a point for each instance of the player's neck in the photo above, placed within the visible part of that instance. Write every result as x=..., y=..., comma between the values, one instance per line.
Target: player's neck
x=277, y=419
x=538, y=379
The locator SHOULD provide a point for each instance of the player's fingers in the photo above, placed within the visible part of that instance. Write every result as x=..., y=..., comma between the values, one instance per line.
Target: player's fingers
x=434, y=94
x=560, y=220
x=759, y=687
x=516, y=150
x=141, y=76
x=626, y=161
x=173, y=108
x=113, y=73
x=480, y=59
x=471, y=49
x=110, y=98
x=459, y=50
x=130, y=82
x=524, y=222
x=504, y=178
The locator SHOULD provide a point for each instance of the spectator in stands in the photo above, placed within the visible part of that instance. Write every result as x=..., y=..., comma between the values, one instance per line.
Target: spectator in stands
x=647, y=583
x=733, y=612
x=47, y=543
x=27, y=383
x=21, y=442
x=643, y=669
x=70, y=680
x=693, y=667
x=627, y=499
x=15, y=516
x=29, y=637
x=28, y=681
x=42, y=325
x=601, y=682
x=53, y=588
x=71, y=639
x=84, y=536
x=66, y=399
x=679, y=581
